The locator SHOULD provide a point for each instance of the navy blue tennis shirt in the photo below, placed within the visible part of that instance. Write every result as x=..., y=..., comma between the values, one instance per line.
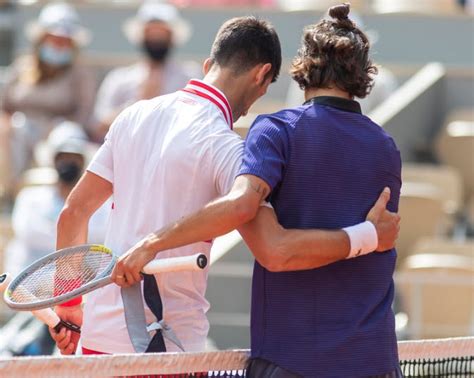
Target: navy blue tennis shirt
x=326, y=164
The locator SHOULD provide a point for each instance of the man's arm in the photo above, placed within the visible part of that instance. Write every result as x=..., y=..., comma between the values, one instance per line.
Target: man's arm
x=87, y=196
x=217, y=218
x=298, y=249
x=279, y=249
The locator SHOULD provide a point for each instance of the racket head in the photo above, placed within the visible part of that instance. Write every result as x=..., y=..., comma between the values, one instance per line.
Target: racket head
x=60, y=277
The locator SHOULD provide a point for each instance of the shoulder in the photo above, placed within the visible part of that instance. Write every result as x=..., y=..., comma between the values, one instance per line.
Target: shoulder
x=20, y=66
x=282, y=122
x=134, y=114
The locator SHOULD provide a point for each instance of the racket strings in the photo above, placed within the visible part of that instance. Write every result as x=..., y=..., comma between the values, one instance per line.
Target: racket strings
x=61, y=275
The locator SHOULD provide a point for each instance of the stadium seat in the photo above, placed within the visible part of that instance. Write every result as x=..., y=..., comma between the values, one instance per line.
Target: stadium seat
x=460, y=114
x=437, y=293
x=444, y=246
x=455, y=147
x=446, y=179
x=422, y=215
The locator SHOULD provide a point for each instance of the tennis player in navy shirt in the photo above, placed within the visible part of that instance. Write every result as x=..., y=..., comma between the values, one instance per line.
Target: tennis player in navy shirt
x=325, y=163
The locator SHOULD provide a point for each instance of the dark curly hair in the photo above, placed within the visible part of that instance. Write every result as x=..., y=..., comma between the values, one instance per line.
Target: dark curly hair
x=335, y=52
x=244, y=42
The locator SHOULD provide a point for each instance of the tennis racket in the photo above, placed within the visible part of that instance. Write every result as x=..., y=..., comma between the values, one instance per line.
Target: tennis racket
x=72, y=272
x=46, y=315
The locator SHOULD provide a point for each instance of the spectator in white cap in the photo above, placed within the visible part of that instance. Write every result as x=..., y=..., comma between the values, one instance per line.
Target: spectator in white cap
x=47, y=85
x=37, y=207
x=156, y=29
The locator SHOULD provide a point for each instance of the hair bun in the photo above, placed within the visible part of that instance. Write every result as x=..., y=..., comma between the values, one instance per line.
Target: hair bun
x=340, y=12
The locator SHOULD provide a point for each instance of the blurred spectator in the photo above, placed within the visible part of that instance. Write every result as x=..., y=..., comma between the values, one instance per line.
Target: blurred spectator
x=469, y=6
x=37, y=208
x=157, y=29
x=47, y=85
x=385, y=82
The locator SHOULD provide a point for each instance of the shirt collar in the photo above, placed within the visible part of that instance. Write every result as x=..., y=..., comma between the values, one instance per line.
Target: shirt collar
x=214, y=95
x=336, y=102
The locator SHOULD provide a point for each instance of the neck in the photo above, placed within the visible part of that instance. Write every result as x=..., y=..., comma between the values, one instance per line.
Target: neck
x=153, y=64
x=334, y=92
x=231, y=86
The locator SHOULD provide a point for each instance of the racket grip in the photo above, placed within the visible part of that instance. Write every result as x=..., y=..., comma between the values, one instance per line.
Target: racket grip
x=48, y=317
x=175, y=264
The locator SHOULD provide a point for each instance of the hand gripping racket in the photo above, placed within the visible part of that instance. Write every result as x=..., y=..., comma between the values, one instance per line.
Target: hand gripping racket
x=72, y=272
x=46, y=315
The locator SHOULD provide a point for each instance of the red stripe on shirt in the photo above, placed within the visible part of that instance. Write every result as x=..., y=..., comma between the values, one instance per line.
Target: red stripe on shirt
x=215, y=93
x=197, y=93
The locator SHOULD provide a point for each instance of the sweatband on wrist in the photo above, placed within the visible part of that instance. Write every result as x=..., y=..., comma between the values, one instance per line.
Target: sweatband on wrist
x=363, y=238
x=73, y=302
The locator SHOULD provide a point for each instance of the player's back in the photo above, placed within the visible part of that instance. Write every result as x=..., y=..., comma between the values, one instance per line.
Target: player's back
x=337, y=162
x=166, y=158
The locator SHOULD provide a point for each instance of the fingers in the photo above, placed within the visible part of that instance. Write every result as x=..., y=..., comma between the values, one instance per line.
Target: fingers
x=379, y=207
x=118, y=275
x=63, y=340
x=388, y=229
x=383, y=199
x=125, y=274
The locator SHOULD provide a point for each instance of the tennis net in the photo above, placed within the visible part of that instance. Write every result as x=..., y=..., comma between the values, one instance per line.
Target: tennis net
x=423, y=358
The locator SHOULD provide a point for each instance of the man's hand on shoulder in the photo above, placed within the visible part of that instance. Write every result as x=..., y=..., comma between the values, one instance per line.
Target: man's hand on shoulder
x=386, y=223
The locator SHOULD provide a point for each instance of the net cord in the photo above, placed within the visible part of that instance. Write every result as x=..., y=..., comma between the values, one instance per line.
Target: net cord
x=175, y=363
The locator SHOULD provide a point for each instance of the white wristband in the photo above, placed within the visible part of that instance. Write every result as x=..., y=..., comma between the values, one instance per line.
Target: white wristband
x=363, y=238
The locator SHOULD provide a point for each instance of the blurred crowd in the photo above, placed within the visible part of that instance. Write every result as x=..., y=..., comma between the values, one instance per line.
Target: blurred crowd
x=54, y=113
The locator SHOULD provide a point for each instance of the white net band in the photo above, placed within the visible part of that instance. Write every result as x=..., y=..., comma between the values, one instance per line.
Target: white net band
x=218, y=363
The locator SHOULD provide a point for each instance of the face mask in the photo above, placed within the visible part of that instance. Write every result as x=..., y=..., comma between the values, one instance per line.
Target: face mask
x=55, y=57
x=68, y=172
x=156, y=51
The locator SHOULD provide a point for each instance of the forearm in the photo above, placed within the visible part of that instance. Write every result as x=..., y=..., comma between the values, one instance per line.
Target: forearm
x=309, y=249
x=278, y=249
x=215, y=219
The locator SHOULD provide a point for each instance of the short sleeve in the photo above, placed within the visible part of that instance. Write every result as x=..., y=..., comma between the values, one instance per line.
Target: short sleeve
x=226, y=149
x=266, y=150
x=102, y=163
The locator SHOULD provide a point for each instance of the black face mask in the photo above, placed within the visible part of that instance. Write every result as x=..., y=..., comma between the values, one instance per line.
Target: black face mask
x=156, y=51
x=68, y=172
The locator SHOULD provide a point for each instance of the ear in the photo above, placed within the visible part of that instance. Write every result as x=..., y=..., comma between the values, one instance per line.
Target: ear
x=262, y=73
x=206, y=67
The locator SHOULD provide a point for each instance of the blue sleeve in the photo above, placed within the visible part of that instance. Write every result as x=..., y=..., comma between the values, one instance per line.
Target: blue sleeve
x=266, y=150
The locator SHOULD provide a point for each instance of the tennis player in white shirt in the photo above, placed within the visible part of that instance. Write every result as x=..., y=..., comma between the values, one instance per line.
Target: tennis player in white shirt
x=166, y=158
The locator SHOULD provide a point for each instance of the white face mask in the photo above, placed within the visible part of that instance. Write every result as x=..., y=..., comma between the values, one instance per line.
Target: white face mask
x=53, y=56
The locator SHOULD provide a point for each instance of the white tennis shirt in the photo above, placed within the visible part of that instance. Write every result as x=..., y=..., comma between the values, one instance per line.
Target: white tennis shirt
x=166, y=158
